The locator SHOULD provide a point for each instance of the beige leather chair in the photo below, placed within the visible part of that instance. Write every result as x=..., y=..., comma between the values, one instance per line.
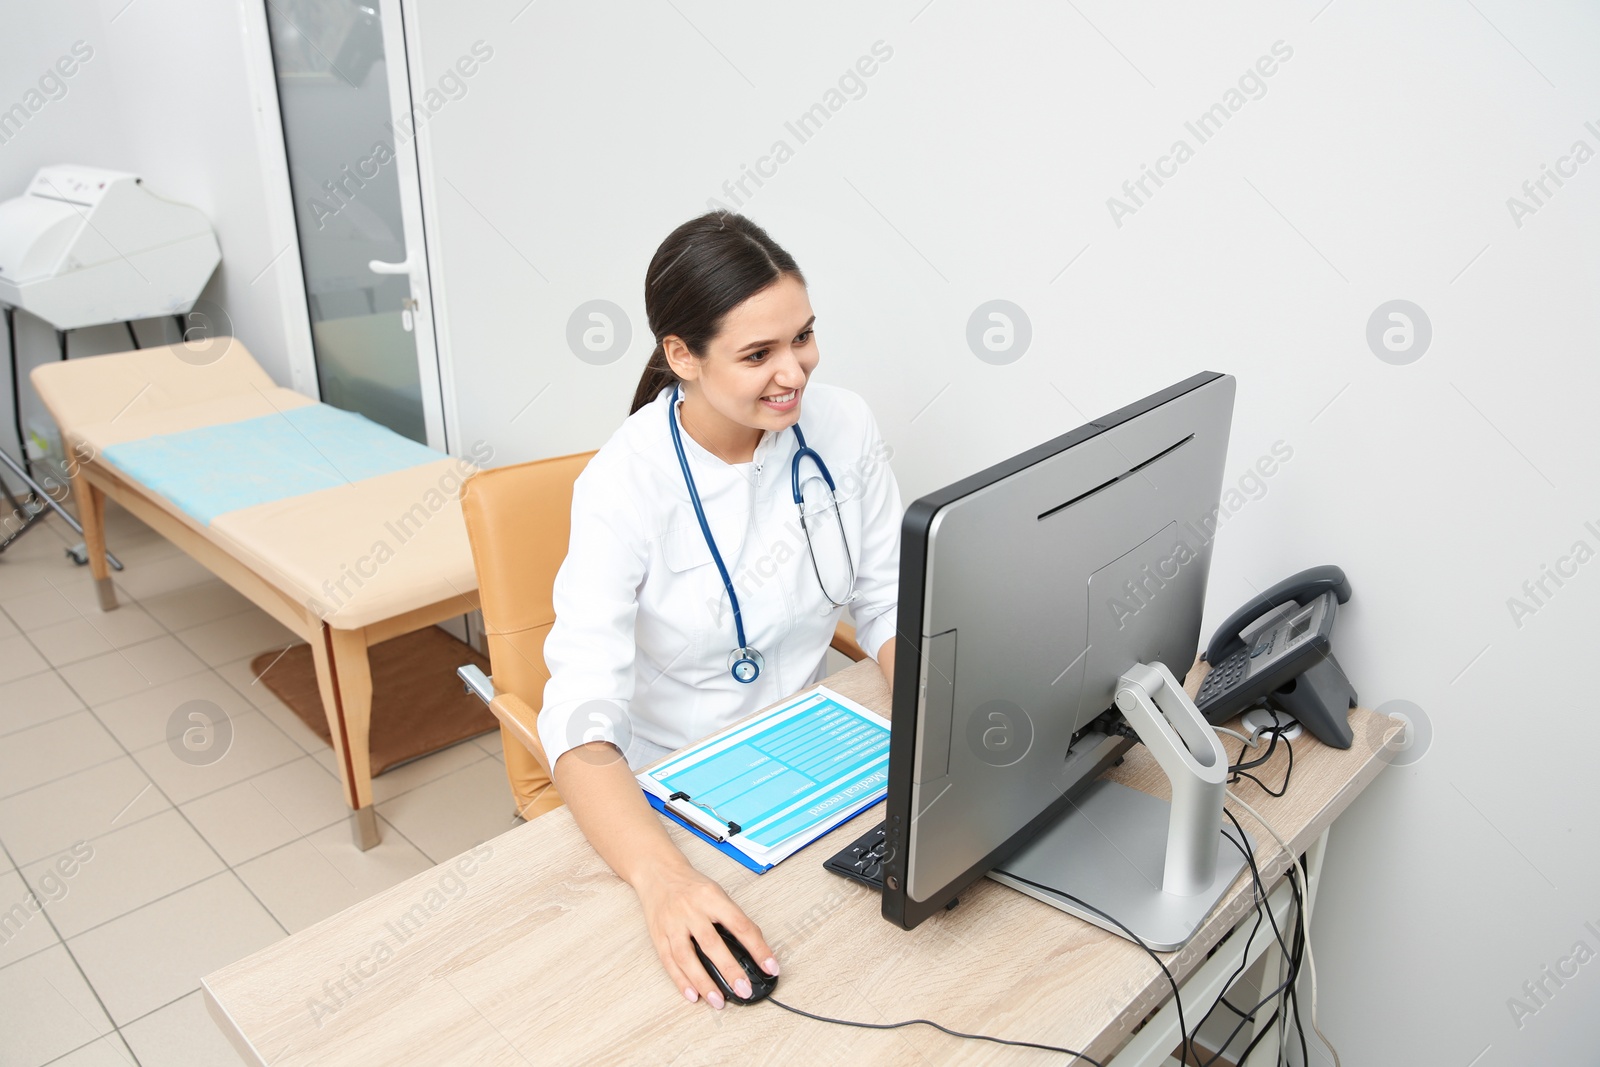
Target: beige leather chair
x=519, y=520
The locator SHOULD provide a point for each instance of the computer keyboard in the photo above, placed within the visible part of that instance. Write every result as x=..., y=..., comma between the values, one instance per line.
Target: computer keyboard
x=863, y=860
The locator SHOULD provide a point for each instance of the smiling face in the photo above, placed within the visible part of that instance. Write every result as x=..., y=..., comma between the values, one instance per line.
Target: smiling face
x=752, y=377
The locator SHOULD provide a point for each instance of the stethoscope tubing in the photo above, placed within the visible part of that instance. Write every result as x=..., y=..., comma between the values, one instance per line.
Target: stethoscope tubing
x=700, y=513
x=744, y=657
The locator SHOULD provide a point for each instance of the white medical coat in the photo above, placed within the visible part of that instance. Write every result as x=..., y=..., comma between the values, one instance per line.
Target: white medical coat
x=638, y=654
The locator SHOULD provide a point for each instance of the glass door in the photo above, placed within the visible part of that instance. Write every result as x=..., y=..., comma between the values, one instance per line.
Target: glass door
x=345, y=101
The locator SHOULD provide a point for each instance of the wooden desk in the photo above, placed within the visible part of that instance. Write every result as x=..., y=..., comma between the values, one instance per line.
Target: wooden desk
x=530, y=951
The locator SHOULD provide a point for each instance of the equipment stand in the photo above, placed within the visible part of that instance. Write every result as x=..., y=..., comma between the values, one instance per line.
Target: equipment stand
x=25, y=513
x=1159, y=868
x=61, y=347
x=28, y=514
x=16, y=382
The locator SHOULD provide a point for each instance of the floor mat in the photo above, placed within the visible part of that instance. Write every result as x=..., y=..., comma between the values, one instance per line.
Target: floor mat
x=418, y=704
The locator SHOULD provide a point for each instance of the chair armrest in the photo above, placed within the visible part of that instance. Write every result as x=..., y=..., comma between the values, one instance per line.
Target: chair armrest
x=844, y=640
x=478, y=684
x=523, y=722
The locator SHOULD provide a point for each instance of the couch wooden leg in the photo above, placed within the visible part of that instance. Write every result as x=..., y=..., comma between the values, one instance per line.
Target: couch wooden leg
x=92, y=516
x=344, y=679
x=364, y=827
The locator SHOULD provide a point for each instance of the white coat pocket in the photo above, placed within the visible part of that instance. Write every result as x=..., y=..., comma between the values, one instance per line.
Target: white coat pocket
x=692, y=596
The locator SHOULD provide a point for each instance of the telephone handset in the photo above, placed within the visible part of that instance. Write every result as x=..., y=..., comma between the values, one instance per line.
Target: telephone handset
x=1277, y=649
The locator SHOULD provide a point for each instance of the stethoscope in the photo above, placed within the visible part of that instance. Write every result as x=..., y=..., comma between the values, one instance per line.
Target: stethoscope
x=745, y=662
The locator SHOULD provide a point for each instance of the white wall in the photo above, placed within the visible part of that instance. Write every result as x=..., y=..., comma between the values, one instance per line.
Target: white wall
x=978, y=165
x=167, y=94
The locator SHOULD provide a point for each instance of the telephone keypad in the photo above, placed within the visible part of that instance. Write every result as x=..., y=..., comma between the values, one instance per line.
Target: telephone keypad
x=1226, y=673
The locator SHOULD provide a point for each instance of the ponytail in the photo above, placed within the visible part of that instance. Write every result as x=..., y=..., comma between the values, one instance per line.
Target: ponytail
x=703, y=270
x=656, y=377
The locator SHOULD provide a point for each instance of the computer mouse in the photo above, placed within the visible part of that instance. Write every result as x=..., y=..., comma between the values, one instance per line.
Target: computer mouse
x=761, y=983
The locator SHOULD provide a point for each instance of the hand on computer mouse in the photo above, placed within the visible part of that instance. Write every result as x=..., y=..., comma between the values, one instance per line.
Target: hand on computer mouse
x=744, y=986
x=682, y=908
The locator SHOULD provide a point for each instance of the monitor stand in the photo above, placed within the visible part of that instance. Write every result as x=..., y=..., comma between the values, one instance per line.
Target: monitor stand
x=1158, y=868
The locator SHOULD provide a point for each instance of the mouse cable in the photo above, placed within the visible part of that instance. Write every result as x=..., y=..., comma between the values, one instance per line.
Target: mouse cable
x=1254, y=1041
x=1286, y=990
x=1275, y=994
x=944, y=1029
x=1305, y=914
x=1292, y=998
x=1292, y=954
x=1186, y=1046
x=1302, y=941
x=1231, y=1006
x=1260, y=895
x=1222, y=997
x=1291, y=1001
x=1187, y=1043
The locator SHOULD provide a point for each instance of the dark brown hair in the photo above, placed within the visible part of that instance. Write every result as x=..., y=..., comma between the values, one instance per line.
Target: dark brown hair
x=703, y=270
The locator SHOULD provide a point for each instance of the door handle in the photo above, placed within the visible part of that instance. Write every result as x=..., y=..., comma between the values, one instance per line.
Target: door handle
x=409, y=304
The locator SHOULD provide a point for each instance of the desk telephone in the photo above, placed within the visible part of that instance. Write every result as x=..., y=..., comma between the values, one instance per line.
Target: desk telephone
x=1277, y=650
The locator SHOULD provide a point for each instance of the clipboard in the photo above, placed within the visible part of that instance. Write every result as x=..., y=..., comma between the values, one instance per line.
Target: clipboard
x=728, y=850
x=773, y=784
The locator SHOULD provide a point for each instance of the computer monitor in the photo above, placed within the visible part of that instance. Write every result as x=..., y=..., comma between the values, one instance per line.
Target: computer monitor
x=1041, y=602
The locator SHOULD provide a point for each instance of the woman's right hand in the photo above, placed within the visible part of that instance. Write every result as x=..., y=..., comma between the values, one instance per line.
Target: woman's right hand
x=680, y=903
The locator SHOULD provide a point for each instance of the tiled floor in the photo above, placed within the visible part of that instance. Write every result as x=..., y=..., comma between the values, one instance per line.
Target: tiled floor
x=127, y=872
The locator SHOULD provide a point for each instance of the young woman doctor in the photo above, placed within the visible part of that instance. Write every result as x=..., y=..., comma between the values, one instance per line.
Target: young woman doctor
x=693, y=591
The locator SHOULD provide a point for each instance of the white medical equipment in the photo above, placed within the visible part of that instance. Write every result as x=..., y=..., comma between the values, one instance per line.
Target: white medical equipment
x=89, y=247
x=85, y=246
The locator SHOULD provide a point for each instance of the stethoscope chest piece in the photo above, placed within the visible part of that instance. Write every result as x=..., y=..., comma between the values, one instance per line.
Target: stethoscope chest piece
x=746, y=664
